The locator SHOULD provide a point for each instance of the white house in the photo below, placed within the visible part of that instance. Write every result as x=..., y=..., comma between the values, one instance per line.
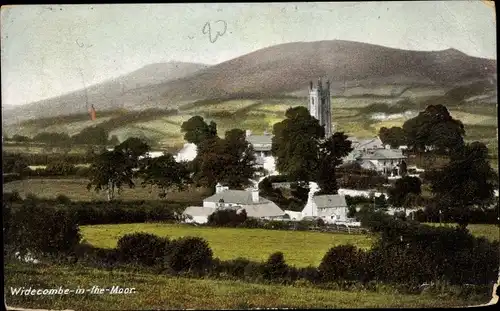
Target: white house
x=224, y=198
x=330, y=208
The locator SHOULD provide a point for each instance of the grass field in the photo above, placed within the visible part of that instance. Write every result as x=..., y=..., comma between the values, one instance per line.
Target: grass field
x=154, y=292
x=492, y=232
x=301, y=248
x=75, y=189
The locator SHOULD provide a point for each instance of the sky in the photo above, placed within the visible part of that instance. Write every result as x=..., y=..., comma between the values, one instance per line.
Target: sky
x=46, y=50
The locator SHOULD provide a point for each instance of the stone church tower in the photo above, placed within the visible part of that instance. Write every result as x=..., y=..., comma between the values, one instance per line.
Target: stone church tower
x=320, y=105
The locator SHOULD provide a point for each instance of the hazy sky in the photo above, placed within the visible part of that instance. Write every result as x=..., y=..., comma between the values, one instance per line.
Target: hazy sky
x=45, y=47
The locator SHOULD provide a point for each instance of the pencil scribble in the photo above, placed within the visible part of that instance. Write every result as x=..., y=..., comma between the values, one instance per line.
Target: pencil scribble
x=207, y=30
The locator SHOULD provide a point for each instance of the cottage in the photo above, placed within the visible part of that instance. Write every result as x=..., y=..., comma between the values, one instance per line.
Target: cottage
x=330, y=208
x=249, y=200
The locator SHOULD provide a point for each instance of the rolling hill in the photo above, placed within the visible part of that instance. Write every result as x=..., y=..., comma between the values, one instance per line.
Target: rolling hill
x=105, y=95
x=354, y=68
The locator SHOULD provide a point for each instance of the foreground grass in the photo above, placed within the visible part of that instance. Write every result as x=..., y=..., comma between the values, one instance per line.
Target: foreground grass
x=301, y=248
x=163, y=292
x=491, y=232
x=76, y=190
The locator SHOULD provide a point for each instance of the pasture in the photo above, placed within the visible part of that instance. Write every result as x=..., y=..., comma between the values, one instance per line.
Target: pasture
x=301, y=248
x=491, y=232
x=76, y=190
x=164, y=292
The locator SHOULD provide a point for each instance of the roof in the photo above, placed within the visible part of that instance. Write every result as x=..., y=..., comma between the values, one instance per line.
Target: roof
x=268, y=209
x=235, y=196
x=198, y=211
x=382, y=154
x=329, y=200
x=260, y=139
x=372, y=143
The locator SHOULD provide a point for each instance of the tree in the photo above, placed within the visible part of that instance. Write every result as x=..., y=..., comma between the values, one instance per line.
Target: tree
x=466, y=181
x=61, y=168
x=93, y=135
x=403, y=168
x=12, y=163
x=331, y=152
x=165, y=173
x=20, y=138
x=295, y=144
x=435, y=128
x=52, y=138
x=404, y=186
x=110, y=171
x=394, y=136
x=133, y=148
x=230, y=161
x=196, y=130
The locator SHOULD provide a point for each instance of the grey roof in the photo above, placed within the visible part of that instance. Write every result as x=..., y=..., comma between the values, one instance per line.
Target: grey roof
x=329, y=200
x=198, y=211
x=260, y=139
x=382, y=154
x=372, y=143
x=269, y=209
x=235, y=196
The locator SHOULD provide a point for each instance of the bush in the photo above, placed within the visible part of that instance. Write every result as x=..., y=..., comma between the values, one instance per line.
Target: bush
x=60, y=168
x=189, y=254
x=251, y=223
x=342, y=262
x=227, y=218
x=142, y=248
x=275, y=268
x=41, y=229
x=62, y=199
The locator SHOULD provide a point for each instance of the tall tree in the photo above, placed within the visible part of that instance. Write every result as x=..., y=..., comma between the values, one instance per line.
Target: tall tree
x=110, y=171
x=165, y=173
x=434, y=127
x=402, y=188
x=230, y=160
x=196, y=130
x=394, y=136
x=331, y=152
x=133, y=148
x=467, y=181
x=295, y=144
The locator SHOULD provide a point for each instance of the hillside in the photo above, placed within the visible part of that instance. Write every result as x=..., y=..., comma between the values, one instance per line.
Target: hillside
x=355, y=69
x=105, y=95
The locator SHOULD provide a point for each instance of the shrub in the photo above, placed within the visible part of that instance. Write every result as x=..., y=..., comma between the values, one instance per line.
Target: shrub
x=227, y=218
x=60, y=168
x=236, y=267
x=142, y=248
x=189, y=254
x=275, y=268
x=341, y=263
x=251, y=223
x=310, y=274
x=62, y=199
x=41, y=229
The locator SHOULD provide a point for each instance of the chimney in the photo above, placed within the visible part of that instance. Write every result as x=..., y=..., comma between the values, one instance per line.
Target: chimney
x=219, y=188
x=248, y=133
x=255, y=195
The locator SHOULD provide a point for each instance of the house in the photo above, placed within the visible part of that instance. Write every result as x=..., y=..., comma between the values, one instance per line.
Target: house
x=366, y=144
x=261, y=144
x=330, y=208
x=373, y=156
x=249, y=200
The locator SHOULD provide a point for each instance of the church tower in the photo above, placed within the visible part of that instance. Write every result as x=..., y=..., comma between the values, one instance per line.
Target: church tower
x=320, y=105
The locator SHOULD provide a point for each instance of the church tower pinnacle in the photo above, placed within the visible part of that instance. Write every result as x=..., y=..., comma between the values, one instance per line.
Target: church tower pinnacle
x=320, y=105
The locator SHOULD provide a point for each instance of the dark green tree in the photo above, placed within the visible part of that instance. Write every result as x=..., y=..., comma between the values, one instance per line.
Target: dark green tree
x=295, y=144
x=196, y=130
x=394, y=136
x=20, y=138
x=230, y=161
x=467, y=181
x=331, y=152
x=165, y=173
x=403, y=187
x=110, y=171
x=434, y=128
x=93, y=135
x=133, y=148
